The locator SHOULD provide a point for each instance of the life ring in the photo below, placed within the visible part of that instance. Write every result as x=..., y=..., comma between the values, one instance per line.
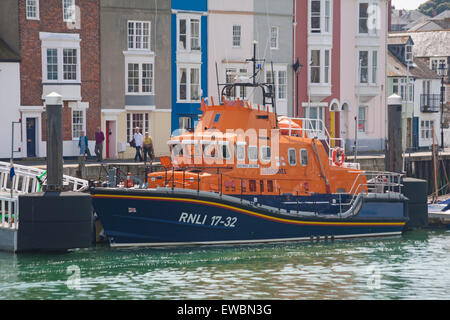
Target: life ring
x=338, y=156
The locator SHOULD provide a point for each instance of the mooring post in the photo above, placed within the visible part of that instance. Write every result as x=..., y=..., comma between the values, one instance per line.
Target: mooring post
x=53, y=110
x=394, y=148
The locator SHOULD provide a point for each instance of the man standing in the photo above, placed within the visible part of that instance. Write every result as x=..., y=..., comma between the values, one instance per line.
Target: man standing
x=139, y=141
x=99, y=138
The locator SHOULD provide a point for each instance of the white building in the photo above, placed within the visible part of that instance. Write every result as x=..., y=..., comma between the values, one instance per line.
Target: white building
x=9, y=101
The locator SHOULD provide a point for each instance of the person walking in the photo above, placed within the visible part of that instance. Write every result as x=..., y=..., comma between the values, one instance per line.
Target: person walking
x=99, y=138
x=138, y=141
x=148, y=148
x=83, y=145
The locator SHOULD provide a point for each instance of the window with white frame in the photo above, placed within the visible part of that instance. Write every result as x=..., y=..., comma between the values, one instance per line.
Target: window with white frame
x=321, y=14
x=230, y=75
x=368, y=17
x=279, y=78
x=68, y=10
x=189, y=33
x=317, y=115
x=362, y=119
x=61, y=64
x=274, y=37
x=189, y=83
x=32, y=9
x=320, y=66
x=399, y=87
x=236, y=36
x=409, y=53
x=368, y=66
x=139, y=35
x=77, y=123
x=139, y=120
x=426, y=129
x=292, y=157
x=435, y=63
x=139, y=78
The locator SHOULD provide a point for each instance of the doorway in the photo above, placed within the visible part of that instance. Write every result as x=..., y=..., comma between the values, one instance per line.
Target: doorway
x=110, y=139
x=31, y=137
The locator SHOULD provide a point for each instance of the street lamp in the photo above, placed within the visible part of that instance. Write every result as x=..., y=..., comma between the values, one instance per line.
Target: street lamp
x=297, y=66
x=442, y=72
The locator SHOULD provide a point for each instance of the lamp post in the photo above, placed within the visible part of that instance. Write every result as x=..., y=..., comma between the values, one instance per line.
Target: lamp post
x=442, y=72
x=297, y=69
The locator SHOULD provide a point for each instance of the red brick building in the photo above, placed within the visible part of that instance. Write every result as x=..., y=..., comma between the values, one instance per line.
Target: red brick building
x=59, y=45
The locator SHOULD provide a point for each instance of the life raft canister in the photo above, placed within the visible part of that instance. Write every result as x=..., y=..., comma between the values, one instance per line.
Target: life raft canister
x=338, y=156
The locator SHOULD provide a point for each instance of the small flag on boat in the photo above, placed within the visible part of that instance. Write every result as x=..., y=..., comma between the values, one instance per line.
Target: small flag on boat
x=12, y=173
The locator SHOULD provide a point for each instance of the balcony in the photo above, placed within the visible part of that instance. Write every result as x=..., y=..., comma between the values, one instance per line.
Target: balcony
x=430, y=103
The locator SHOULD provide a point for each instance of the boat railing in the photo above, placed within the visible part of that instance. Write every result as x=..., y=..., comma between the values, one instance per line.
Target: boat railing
x=28, y=179
x=313, y=128
x=9, y=214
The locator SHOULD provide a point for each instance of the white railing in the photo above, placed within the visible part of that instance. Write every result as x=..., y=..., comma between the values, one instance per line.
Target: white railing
x=26, y=179
x=313, y=128
x=9, y=212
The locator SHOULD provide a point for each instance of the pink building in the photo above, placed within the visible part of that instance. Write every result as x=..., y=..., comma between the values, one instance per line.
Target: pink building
x=342, y=47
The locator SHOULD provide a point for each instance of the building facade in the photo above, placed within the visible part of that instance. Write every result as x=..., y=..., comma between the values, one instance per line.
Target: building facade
x=9, y=100
x=189, y=55
x=58, y=41
x=421, y=110
x=317, y=46
x=136, y=68
x=363, y=39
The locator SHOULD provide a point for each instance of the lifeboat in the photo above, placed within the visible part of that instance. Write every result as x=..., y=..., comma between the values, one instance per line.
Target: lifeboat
x=246, y=175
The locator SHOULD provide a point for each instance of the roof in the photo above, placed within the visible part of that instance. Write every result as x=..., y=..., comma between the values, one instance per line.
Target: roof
x=429, y=43
x=406, y=17
x=443, y=15
x=425, y=26
x=7, y=54
x=394, y=39
x=419, y=70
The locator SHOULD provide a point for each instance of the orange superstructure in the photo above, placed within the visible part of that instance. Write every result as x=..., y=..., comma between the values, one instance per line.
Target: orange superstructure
x=238, y=148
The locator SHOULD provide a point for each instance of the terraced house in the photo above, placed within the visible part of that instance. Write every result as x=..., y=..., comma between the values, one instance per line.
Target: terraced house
x=58, y=43
x=136, y=74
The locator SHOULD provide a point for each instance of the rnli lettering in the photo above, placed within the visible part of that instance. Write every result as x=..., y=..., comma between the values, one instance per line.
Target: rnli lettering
x=202, y=219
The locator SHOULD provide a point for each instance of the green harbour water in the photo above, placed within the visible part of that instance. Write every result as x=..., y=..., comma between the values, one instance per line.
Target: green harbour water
x=413, y=266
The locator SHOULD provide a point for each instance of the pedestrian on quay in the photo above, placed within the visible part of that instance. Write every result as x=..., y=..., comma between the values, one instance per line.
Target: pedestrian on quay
x=83, y=145
x=99, y=138
x=148, y=148
x=138, y=140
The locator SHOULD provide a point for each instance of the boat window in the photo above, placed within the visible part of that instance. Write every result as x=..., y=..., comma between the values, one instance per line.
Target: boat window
x=226, y=151
x=303, y=157
x=252, y=153
x=217, y=117
x=177, y=150
x=240, y=152
x=252, y=185
x=269, y=186
x=209, y=150
x=265, y=153
x=292, y=156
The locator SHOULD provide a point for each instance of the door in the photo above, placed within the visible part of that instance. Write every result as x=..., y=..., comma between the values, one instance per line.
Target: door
x=110, y=139
x=31, y=137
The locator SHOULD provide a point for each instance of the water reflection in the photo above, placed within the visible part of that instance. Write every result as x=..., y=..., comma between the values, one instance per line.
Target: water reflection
x=402, y=268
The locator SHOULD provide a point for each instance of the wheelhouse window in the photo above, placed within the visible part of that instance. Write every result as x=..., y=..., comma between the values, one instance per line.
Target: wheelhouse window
x=138, y=35
x=252, y=153
x=265, y=153
x=292, y=157
x=303, y=157
x=32, y=9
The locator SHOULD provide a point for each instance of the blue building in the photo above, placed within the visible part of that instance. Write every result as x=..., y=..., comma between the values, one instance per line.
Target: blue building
x=189, y=61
